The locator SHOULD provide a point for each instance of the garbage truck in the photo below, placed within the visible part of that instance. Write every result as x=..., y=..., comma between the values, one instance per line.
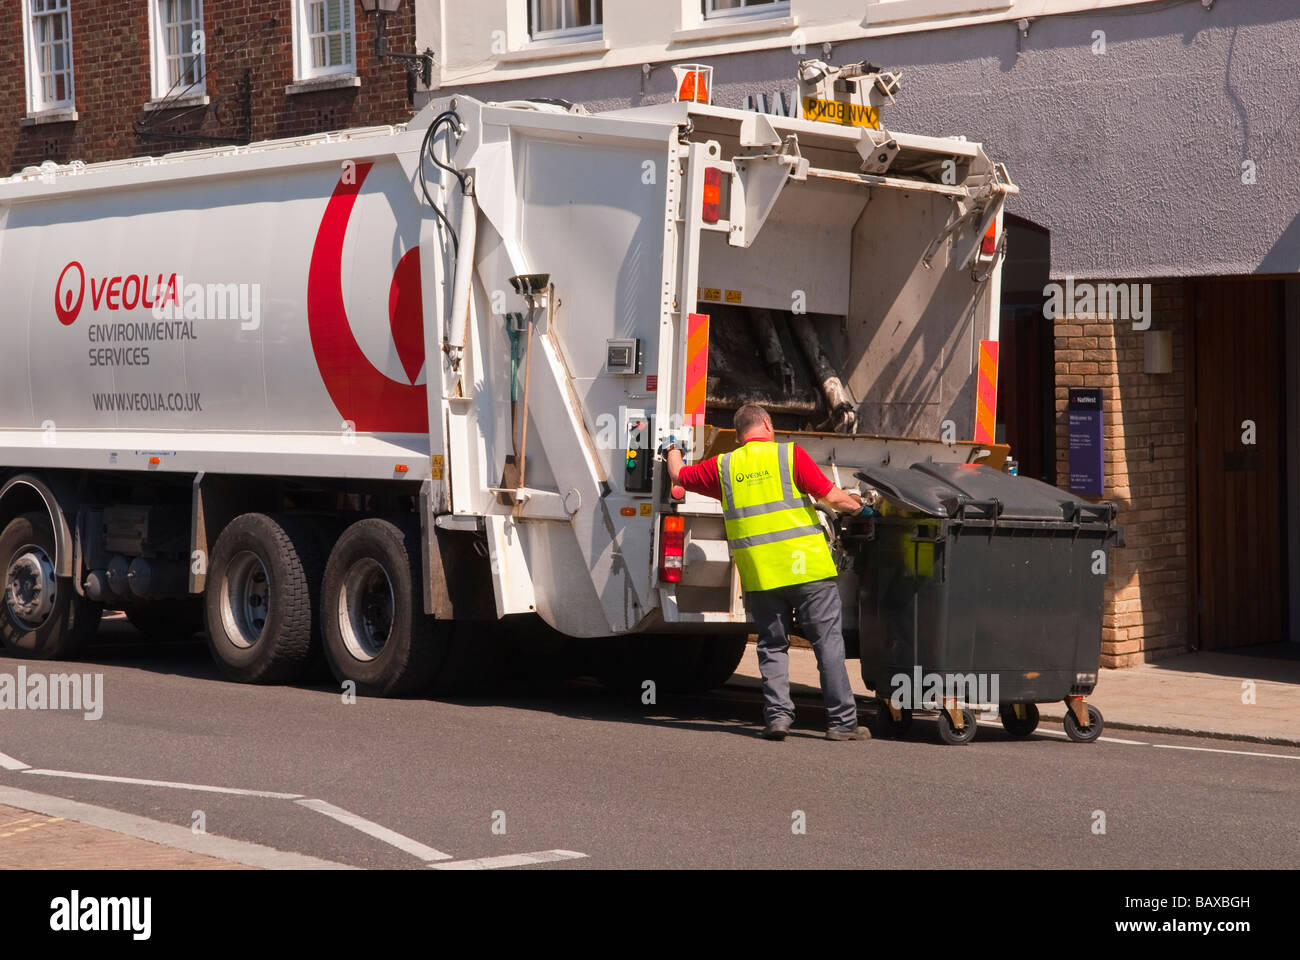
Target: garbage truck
x=381, y=394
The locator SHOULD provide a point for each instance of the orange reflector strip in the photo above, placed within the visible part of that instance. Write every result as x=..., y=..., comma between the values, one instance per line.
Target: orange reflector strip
x=400, y=468
x=697, y=368
x=154, y=461
x=628, y=511
x=986, y=397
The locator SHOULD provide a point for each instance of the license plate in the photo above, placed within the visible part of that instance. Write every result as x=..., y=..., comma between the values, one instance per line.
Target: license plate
x=846, y=114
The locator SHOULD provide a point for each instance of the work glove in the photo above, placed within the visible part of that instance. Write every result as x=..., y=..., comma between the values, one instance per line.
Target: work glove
x=669, y=442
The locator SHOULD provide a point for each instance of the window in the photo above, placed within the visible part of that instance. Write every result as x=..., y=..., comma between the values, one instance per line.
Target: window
x=745, y=8
x=570, y=19
x=177, y=43
x=47, y=30
x=324, y=38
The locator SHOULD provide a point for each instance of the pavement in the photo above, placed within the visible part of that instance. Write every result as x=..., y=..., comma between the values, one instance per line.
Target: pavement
x=1230, y=696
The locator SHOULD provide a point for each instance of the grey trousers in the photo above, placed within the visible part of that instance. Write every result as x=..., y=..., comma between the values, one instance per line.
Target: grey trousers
x=821, y=623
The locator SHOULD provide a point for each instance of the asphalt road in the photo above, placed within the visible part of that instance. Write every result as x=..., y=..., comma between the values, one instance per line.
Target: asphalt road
x=686, y=783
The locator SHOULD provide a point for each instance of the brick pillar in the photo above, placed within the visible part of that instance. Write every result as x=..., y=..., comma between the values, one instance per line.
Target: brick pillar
x=1145, y=613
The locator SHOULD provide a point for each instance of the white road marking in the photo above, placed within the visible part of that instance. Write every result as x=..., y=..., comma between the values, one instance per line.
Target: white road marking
x=168, y=834
x=1240, y=753
x=510, y=860
x=9, y=763
x=369, y=827
x=165, y=783
x=1061, y=733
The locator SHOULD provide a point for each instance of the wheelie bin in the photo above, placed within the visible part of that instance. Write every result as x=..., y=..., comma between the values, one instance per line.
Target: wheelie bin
x=974, y=584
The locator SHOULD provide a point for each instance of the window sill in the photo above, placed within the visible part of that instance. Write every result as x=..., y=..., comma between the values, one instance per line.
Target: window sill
x=734, y=27
x=893, y=11
x=61, y=115
x=175, y=103
x=550, y=49
x=316, y=84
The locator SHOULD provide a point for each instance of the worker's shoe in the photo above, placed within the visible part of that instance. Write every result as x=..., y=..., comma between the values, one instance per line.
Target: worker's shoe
x=848, y=733
x=776, y=730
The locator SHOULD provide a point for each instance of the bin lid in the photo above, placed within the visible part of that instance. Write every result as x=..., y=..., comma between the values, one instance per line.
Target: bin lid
x=942, y=489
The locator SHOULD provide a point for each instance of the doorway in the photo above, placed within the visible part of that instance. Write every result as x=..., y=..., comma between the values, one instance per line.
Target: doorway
x=1238, y=433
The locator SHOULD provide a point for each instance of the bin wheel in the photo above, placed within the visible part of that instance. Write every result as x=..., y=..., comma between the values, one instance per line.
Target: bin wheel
x=1019, y=726
x=950, y=734
x=887, y=727
x=1083, y=734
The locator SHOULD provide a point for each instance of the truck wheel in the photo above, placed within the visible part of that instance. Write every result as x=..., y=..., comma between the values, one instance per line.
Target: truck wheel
x=167, y=620
x=260, y=599
x=375, y=631
x=676, y=663
x=719, y=658
x=43, y=618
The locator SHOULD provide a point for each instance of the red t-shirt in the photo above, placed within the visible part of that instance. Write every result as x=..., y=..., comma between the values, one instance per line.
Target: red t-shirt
x=703, y=477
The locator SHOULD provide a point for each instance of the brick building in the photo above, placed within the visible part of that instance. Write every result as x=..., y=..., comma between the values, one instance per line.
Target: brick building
x=95, y=80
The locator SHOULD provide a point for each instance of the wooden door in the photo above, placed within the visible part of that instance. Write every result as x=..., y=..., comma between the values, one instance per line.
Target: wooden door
x=1239, y=519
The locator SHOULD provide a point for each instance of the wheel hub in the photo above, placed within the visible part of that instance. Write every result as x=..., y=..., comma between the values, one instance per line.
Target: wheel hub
x=366, y=608
x=30, y=587
x=245, y=599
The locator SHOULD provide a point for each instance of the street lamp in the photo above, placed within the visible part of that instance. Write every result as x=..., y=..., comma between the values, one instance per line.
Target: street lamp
x=417, y=64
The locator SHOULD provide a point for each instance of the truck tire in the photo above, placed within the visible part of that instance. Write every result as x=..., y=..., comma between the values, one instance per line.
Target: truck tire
x=164, y=621
x=676, y=663
x=261, y=598
x=43, y=617
x=375, y=631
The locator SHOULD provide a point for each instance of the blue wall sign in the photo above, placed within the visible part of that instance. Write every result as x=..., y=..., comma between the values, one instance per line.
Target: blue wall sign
x=1087, y=457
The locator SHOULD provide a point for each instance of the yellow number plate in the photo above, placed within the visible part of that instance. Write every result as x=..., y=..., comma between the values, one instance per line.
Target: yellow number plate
x=847, y=114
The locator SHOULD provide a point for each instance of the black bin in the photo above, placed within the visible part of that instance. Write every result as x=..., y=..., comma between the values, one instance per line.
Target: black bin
x=971, y=571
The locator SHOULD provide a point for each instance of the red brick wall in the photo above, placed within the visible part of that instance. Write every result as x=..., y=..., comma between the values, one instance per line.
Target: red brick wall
x=112, y=80
x=1147, y=590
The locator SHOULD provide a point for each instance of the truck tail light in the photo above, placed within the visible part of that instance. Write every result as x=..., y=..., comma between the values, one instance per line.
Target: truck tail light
x=989, y=245
x=712, y=194
x=672, y=548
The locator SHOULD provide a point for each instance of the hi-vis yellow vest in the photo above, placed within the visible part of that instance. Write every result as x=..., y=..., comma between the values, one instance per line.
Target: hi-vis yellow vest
x=775, y=538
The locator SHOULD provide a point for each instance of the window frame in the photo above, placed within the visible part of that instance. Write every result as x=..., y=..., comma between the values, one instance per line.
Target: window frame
x=754, y=11
x=161, y=87
x=593, y=31
x=303, y=70
x=36, y=104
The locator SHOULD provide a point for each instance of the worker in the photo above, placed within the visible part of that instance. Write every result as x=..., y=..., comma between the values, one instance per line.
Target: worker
x=778, y=545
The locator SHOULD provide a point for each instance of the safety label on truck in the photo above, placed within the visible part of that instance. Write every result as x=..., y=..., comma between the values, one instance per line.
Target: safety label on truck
x=836, y=111
x=719, y=295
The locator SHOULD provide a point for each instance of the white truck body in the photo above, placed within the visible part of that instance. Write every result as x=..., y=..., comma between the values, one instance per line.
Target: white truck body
x=329, y=359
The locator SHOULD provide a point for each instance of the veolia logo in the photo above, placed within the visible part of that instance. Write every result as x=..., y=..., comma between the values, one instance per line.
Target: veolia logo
x=361, y=392
x=68, y=295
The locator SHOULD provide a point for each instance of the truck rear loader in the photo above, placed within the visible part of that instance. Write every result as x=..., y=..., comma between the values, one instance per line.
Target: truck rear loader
x=391, y=391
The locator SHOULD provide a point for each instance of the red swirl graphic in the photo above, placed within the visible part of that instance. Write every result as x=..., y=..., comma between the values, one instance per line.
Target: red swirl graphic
x=361, y=392
x=64, y=308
